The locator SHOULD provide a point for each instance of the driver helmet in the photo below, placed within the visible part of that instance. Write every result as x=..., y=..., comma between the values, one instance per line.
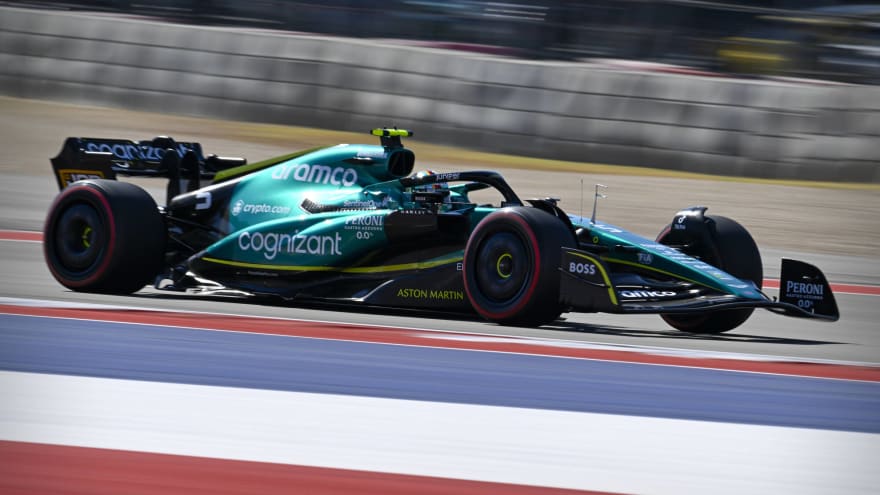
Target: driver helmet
x=433, y=187
x=436, y=187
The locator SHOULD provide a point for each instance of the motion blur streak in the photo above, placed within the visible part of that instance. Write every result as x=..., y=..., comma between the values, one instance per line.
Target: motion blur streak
x=29, y=468
x=21, y=235
x=603, y=452
x=331, y=399
x=403, y=336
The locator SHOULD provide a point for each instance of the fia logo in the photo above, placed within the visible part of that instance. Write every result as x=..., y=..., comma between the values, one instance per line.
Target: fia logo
x=679, y=223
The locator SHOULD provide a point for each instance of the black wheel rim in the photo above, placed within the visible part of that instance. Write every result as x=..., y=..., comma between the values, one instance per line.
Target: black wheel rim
x=502, y=267
x=80, y=238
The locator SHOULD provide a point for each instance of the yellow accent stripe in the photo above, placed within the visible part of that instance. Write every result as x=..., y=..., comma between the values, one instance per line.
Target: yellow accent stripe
x=611, y=294
x=357, y=269
x=651, y=268
x=751, y=55
x=767, y=41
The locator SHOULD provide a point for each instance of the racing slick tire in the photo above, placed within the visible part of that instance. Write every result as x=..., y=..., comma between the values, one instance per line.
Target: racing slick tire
x=511, y=266
x=733, y=250
x=104, y=236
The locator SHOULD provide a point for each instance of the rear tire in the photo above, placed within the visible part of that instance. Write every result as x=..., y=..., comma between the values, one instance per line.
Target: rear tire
x=732, y=250
x=104, y=236
x=511, y=266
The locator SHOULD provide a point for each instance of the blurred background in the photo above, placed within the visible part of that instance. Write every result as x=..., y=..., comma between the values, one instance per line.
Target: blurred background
x=824, y=39
x=783, y=89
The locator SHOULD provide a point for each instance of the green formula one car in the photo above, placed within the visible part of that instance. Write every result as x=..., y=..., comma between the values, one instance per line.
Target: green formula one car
x=352, y=223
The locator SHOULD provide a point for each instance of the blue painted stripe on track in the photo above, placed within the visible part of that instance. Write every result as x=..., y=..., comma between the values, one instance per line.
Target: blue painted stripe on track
x=169, y=354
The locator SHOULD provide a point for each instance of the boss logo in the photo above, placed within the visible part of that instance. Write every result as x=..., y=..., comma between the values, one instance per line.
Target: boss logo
x=582, y=268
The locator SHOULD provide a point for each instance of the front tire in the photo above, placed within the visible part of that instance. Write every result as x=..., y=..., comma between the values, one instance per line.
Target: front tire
x=731, y=249
x=511, y=266
x=104, y=236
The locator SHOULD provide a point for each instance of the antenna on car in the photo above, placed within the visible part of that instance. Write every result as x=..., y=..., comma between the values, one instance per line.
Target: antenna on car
x=596, y=197
x=390, y=138
x=582, y=198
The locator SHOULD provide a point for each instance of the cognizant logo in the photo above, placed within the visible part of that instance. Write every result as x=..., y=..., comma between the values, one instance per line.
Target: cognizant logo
x=271, y=243
x=134, y=152
x=317, y=174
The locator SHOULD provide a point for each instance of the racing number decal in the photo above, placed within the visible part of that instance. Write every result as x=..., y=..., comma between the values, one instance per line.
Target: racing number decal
x=203, y=200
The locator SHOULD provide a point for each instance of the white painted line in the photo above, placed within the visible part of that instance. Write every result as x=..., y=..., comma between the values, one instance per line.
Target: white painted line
x=486, y=443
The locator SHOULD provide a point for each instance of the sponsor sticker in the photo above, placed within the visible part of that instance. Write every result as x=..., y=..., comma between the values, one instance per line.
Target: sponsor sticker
x=69, y=176
x=316, y=174
x=804, y=290
x=679, y=223
x=366, y=222
x=582, y=268
x=366, y=204
x=241, y=206
x=449, y=176
x=270, y=244
x=436, y=295
x=133, y=152
x=646, y=294
x=365, y=226
x=805, y=295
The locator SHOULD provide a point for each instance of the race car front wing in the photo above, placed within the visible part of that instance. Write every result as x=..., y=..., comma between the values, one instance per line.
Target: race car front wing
x=589, y=285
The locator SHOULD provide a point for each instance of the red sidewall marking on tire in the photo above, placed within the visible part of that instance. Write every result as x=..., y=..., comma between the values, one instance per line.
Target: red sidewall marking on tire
x=530, y=290
x=111, y=228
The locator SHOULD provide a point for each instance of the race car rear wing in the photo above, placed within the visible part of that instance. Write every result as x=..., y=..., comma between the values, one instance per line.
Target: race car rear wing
x=183, y=163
